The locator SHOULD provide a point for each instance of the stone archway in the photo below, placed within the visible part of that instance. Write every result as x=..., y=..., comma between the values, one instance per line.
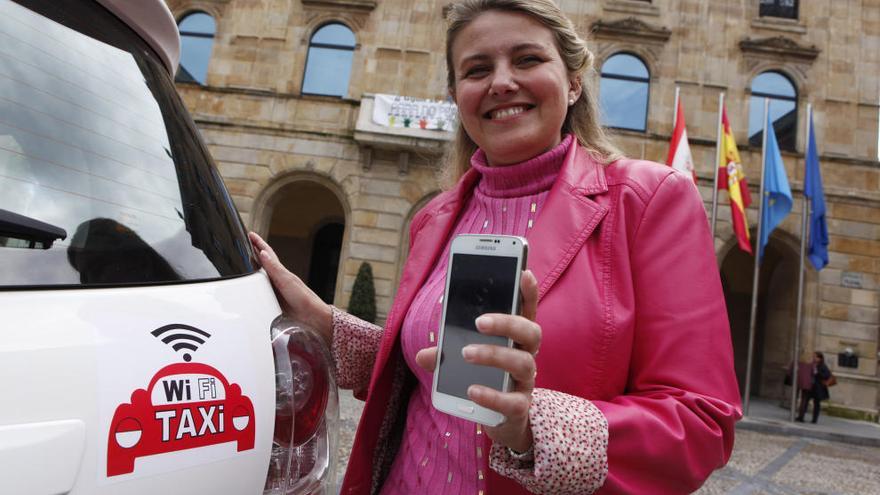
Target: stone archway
x=305, y=222
x=776, y=312
x=404, y=234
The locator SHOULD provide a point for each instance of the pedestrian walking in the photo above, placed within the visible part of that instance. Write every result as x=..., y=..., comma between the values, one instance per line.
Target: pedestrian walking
x=821, y=379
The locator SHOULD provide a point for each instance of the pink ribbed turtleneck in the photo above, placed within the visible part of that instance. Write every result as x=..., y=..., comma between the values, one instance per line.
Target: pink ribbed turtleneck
x=441, y=453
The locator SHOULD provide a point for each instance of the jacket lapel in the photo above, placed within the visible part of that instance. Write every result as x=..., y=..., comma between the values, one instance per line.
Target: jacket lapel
x=567, y=219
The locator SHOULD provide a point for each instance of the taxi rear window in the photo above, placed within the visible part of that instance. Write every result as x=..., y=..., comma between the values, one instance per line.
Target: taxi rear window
x=103, y=177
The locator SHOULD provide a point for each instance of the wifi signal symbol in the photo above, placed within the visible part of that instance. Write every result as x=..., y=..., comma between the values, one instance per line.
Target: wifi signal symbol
x=180, y=336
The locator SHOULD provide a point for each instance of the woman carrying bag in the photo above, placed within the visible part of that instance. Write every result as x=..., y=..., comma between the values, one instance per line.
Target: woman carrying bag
x=821, y=380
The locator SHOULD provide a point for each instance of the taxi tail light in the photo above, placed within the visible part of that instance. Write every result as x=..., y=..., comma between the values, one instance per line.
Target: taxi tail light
x=303, y=459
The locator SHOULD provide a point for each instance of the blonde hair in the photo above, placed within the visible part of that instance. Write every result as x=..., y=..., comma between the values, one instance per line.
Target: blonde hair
x=582, y=119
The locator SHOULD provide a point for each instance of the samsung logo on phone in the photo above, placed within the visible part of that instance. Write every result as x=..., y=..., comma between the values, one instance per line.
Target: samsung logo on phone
x=480, y=247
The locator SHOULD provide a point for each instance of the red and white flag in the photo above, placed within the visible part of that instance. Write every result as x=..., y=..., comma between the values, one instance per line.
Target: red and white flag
x=679, y=151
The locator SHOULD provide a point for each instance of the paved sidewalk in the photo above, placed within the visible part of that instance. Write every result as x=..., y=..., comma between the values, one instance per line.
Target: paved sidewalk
x=767, y=416
x=349, y=415
x=771, y=456
x=768, y=464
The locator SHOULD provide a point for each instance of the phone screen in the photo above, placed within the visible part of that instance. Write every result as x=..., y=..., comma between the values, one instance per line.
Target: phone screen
x=477, y=285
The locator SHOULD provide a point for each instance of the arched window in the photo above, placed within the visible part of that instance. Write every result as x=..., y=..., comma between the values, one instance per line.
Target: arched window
x=328, y=66
x=783, y=109
x=196, y=40
x=623, y=92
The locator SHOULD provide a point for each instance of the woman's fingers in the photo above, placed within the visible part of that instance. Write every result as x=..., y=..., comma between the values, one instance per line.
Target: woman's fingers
x=282, y=278
x=257, y=241
x=521, y=329
x=514, y=431
x=297, y=299
x=513, y=405
x=427, y=358
x=520, y=364
x=526, y=333
x=528, y=287
x=268, y=258
x=259, y=244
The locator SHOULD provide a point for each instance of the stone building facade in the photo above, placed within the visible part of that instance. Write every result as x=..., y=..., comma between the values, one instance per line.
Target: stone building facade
x=325, y=183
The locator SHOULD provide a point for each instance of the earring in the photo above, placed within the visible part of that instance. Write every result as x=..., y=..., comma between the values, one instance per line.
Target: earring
x=570, y=101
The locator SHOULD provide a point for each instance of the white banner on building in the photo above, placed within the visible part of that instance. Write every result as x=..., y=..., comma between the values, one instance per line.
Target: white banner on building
x=414, y=113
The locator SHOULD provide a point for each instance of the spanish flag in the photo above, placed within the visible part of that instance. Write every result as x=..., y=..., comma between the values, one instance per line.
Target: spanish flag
x=732, y=178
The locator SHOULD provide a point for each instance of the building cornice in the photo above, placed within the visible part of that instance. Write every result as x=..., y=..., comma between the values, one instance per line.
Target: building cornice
x=355, y=5
x=638, y=7
x=630, y=29
x=779, y=47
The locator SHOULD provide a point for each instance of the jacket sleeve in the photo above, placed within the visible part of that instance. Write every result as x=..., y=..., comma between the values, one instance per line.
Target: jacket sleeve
x=354, y=347
x=674, y=424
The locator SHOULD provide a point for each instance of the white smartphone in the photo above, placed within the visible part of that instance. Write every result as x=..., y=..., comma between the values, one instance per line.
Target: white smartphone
x=482, y=276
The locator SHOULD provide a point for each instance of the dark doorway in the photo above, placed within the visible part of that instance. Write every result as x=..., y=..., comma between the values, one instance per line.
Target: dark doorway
x=326, y=248
x=306, y=230
x=776, y=312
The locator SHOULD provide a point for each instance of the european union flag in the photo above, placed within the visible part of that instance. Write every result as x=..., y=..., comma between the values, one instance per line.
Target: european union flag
x=818, y=245
x=777, y=193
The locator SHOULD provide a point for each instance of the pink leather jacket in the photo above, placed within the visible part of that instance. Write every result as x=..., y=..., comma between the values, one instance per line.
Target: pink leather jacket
x=633, y=320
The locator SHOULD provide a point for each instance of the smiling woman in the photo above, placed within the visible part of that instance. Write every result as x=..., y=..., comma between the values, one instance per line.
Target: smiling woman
x=510, y=83
x=580, y=119
x=633, y=390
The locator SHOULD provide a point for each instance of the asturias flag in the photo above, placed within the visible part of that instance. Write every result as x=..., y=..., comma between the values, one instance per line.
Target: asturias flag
x=732, y=178
x=679, y=151
x=777, y=193
x=818, y=246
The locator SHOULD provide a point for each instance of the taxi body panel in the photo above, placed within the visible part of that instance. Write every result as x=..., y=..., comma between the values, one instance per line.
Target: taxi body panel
x=82, y=356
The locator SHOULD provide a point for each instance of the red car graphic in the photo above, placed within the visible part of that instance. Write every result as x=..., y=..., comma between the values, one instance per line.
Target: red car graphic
x=186, y=406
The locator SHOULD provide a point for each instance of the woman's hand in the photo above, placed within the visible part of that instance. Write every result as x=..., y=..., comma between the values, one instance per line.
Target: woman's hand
x=519, y=361
x=297, y=300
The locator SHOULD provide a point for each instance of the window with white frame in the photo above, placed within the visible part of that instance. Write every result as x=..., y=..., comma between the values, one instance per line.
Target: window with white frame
x=196, y=42
x=783, y=109
x=623, y=92
x=328, y=64
x=787, y=9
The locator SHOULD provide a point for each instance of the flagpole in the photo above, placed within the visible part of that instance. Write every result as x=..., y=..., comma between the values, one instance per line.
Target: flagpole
x=675, y=109
x=754, y=313
x=718, y=151
x=800, y=300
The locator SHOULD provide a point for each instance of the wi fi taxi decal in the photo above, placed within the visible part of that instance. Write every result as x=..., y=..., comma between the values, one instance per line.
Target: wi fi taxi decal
x=185, y=406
